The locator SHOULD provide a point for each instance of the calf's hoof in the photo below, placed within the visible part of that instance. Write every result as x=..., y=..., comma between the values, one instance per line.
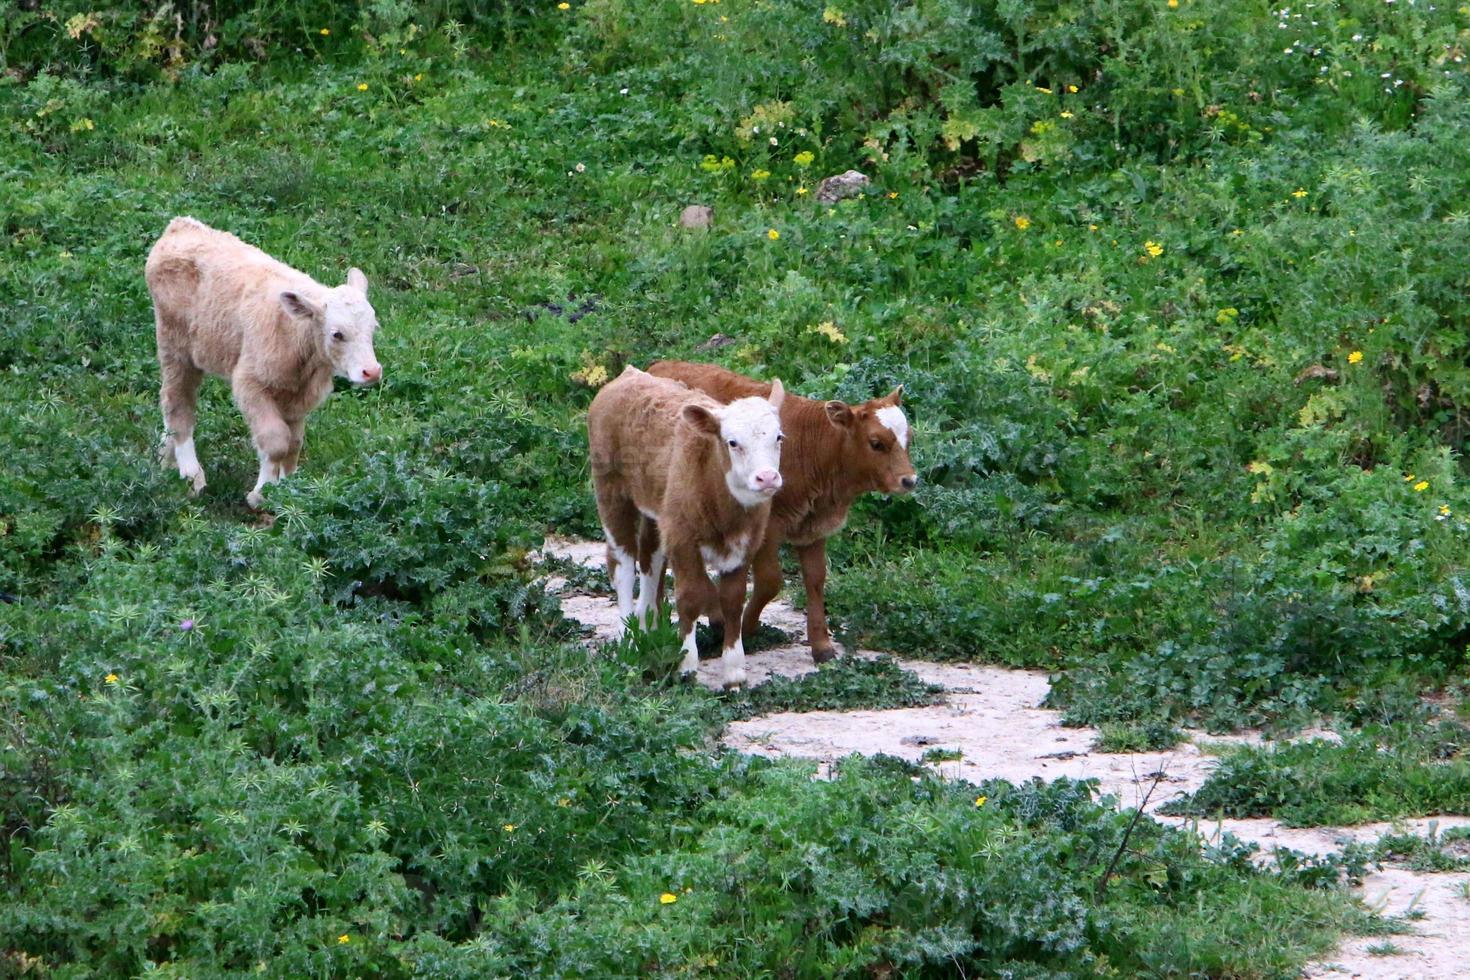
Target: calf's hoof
x=822, y=655
x=254, y=499
x=196, y=480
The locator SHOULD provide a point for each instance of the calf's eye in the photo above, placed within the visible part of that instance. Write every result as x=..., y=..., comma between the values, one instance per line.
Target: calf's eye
x=338, y=335
x=877, y=445
x=734, y=444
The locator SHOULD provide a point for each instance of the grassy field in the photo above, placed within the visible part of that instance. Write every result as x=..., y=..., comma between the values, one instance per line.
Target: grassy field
x=1178, y=295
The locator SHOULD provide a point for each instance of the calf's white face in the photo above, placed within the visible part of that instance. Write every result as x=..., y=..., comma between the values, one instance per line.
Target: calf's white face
x=347, y=322
x=749, y=430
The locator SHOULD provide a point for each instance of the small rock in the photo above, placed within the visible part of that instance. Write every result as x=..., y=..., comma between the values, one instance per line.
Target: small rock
x=696, y=216
x=716, y=342
x=835, y=188
x=1317, y=372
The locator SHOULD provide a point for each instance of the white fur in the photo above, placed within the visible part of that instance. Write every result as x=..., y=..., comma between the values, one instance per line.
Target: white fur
x=722, y=562
x=188, y=461
x=269, y=473
x=648, y=588
x=348, y=312
x=622, y=575
x=753, y=424
x=733, y=663
x=892, y=416
x=690, y=664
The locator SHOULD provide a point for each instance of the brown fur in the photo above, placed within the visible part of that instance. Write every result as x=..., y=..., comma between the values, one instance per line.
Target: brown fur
x=827, y=462
x=647, y=458
x=218, y=310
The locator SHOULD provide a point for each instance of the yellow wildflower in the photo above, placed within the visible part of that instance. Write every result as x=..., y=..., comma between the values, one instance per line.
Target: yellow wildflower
x=1072, y=89
x=509, y=828
x=804, y=158
x=1298, y=193
x=1092, y=227
x=362, y=86
x=892, y=195
x=1421, y=486
x=1409, y=478
x=1023, y=222
x=835, y=17
x=563, y=6
x=829, y=330
x=110, y=678
x=1154, y=249
x=1066, y=115
x=1173, y=4
x=325, y=31
x=980, y=800
x=759, y=174
x=668, y=898
x=1043, y=91
x=1444, y=510
x=773, y=234
x=563, y=802
x=1355, y=357
x=800, y=191
x=344, y=939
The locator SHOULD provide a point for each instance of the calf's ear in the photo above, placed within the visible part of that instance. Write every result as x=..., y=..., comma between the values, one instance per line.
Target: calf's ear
x=357, y=280
x=701, y=419
x=894, y=397
x=777, y=395
x=299, y=306
x=839, y=414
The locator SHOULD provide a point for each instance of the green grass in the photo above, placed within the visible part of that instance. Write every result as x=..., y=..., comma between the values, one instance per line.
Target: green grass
x=1180, y=319
x=1375, y=774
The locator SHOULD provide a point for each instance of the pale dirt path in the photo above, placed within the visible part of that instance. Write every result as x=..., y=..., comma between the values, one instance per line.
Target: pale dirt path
x=991, y=717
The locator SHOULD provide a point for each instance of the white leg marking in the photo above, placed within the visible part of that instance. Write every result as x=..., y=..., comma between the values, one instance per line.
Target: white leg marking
x=189, y=467
x=733, y=662
x=623, y=582
x=622, y=572
x=647, y=589
x=269, y=473
x=690, y=664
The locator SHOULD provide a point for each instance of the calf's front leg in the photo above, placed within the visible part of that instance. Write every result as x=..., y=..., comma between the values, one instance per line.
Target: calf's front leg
x=692, y=589
x=271, y=435
x=732, y=601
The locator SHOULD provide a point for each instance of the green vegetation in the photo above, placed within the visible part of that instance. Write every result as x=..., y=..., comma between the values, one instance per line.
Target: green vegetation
x=849, y=683
x=1373, y=774
x=1178, y=297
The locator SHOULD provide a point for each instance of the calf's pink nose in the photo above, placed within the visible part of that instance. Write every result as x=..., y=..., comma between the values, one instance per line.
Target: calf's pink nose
x=372, y=373
x=767, y=480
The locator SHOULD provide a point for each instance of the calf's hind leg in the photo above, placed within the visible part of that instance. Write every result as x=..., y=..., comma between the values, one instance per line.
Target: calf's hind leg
x=178, y=396
x=620, y=528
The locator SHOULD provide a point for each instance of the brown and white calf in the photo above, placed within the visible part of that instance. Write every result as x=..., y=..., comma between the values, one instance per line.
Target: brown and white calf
x=226, y=308
x=833, y=453
x=706, y=472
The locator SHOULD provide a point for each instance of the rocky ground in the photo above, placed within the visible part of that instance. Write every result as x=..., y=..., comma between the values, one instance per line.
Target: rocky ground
x=991, y=716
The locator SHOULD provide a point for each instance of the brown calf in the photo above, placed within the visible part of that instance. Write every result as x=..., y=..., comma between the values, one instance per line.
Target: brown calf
x=833, y=453
x=706, y=473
